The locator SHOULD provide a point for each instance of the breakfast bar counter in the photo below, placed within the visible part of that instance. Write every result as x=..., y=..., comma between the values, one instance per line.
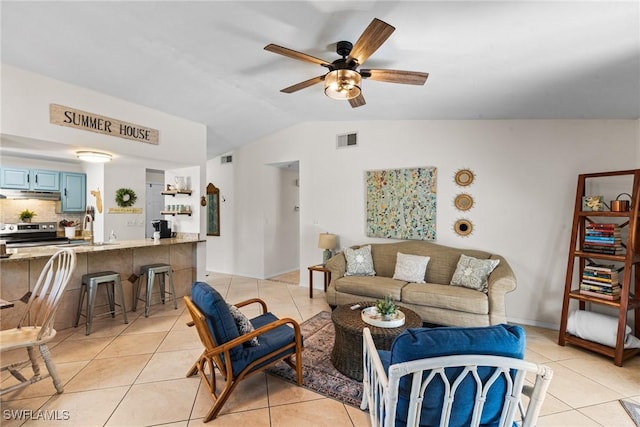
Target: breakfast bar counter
x=20, y=271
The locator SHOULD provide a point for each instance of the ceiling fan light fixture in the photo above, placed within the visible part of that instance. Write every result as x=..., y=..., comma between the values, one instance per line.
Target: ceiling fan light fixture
x=342, y=84
x=94, y=156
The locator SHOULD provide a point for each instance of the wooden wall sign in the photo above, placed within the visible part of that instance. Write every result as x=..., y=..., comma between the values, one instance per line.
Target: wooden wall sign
x=78, y=119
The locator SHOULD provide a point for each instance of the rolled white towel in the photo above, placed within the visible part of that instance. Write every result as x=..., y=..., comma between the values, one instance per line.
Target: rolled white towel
x=599, y=328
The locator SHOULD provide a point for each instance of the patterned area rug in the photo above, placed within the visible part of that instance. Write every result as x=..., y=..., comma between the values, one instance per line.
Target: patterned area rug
x=633, y=409
x=318, y=373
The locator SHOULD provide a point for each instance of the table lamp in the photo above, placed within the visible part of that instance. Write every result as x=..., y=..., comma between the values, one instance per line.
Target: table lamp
x=326, y=241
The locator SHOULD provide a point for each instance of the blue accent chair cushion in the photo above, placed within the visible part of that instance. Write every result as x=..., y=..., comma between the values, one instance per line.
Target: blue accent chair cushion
x=422, y=343
x=223, y=328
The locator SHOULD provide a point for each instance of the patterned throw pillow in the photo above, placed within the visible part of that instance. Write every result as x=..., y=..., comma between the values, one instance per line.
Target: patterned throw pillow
x=473, y=273
x=359, y=262
x=411, y=268
x=243, y=323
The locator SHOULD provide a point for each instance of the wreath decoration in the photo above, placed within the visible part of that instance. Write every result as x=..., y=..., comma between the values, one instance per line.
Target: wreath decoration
x=125, y=197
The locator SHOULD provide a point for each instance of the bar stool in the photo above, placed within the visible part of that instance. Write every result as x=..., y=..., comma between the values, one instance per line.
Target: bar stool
x=89, y=286
x=151, y=270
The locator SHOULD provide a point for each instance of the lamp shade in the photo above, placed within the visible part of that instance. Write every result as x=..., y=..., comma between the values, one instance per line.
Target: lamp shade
x=342, y=84
x=327, y=241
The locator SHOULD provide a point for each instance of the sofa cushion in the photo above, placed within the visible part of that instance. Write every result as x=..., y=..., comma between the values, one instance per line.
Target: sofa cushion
x=421, y=343
x=473, y=273
x=411, y=268
x=359, y=261
x=370, y=286
x=441, y=265
x=447, y=297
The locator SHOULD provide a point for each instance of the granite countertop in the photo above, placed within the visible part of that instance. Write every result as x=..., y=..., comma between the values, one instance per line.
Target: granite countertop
x=19, y=254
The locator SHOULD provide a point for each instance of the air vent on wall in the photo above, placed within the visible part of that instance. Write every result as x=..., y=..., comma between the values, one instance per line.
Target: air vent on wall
x=226, y=159
x=347, y=140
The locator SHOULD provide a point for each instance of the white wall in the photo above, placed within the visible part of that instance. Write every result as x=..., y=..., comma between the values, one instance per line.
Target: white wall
x=221, y=249
x=526, y=175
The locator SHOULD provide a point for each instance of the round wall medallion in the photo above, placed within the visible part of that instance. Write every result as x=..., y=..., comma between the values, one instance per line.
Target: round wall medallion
x=464, y=177
x=463, y=202
x=463, y=227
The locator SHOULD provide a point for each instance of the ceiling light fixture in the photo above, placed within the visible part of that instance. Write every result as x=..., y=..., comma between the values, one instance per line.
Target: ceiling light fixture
x=342, y=84
x=93, y=156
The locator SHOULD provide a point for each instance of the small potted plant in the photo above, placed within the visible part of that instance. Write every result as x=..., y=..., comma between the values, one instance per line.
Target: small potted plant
x=386, y=308
x=26, y=215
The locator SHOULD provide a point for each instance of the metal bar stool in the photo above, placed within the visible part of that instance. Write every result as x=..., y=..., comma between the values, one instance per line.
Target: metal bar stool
x=151, y=270
x=89, y=286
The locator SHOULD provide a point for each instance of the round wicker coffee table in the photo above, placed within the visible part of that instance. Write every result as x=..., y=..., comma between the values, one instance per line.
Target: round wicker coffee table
x=346, y=355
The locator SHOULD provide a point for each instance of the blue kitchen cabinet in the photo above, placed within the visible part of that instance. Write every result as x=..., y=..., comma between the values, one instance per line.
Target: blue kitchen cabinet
x=30, y=179
x=74, y=191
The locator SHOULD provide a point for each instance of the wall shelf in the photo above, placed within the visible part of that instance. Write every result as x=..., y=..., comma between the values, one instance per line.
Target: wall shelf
x=173, y=213
x=173, y=193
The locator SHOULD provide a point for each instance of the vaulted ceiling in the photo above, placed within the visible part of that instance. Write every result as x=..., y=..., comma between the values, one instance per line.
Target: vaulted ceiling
x=204, y=60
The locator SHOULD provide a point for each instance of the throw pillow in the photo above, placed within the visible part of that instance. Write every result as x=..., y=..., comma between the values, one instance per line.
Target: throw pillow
x=359, y=262
x=411, y=268
x=473, y=273
x=243, y=323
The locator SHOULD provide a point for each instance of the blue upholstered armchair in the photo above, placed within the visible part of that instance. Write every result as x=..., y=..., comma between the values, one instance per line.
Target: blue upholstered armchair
x=238, y=355
x=452, y=376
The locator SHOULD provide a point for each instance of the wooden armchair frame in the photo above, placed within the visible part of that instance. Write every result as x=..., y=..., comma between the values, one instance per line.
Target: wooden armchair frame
x=218, y=356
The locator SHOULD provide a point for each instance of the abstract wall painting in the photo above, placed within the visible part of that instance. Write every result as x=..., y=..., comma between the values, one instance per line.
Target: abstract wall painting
x=401, y=203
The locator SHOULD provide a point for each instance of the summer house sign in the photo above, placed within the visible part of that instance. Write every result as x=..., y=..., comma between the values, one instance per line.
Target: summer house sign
x=78, y=119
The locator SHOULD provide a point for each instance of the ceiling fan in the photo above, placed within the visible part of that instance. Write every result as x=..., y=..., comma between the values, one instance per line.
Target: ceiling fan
x=343, y=79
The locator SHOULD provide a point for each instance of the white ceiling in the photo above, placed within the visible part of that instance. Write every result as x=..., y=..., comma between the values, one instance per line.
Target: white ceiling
x=204, y=60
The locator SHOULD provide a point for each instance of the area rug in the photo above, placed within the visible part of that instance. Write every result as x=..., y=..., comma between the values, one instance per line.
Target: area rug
x=318, y=374
x=633, y=409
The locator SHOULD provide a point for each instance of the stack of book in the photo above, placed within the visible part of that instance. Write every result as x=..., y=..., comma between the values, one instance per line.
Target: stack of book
x=602, y=239
x=600, y=281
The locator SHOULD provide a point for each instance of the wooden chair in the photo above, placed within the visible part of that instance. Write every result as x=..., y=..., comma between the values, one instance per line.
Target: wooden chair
x=35, y=328
x=228, y=351
x=450, y=390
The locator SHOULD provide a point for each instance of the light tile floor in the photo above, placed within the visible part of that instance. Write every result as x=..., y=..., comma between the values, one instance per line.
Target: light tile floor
x=134, y=375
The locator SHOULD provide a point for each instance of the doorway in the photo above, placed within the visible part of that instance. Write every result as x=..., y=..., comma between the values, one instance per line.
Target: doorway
x=155, y=204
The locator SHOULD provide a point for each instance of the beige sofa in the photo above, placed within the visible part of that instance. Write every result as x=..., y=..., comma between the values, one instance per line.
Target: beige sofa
x=436, y=301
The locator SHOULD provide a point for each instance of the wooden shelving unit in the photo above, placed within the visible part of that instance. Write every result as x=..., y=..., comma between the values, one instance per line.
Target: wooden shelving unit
x=630, y=281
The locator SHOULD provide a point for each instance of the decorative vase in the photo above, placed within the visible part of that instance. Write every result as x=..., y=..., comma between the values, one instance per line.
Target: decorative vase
x=387, y=317
x=181, y=184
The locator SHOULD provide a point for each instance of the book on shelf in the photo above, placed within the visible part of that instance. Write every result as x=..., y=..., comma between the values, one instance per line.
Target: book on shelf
x=600, y=274
x=600, y=288
x=599, y=295
x=599, y=283
x=603, y=267
x=613, y=250
x=602, y=226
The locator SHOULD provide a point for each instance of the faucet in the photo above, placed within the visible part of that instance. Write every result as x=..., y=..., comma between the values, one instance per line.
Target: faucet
x=88, y=216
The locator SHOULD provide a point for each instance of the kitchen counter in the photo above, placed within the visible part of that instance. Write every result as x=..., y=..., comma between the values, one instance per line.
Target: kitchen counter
x=27, y=253
x=19, y=272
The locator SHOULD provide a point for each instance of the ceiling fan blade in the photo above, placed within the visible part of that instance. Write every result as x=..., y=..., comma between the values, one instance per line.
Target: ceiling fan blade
x=371, y=39
x=358, y=101
x=295, y=54
x=396, y=76
x=296, y=87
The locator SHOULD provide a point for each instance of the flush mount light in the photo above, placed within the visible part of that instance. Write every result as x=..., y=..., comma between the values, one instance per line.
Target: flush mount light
x=342, y=84
x=93, y=156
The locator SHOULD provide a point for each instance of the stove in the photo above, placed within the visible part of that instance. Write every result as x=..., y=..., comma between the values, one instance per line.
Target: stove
x=25, y=234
